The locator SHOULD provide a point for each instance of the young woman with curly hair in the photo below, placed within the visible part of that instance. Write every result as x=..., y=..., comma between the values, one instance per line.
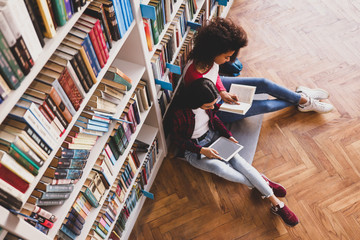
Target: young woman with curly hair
x=195, y=127
x=220, y=41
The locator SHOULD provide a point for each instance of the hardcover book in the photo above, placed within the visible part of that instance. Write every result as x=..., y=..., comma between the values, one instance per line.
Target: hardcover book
x=245, y=95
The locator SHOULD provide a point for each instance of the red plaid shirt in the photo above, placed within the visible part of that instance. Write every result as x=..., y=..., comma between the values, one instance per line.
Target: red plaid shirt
x=183, y=128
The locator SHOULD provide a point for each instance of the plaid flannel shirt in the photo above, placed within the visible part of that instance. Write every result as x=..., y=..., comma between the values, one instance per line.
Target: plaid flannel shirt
x=183, y=128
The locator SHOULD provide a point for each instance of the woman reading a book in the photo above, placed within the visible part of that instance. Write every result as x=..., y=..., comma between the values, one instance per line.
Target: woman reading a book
x=220, y=41
x=196, y=127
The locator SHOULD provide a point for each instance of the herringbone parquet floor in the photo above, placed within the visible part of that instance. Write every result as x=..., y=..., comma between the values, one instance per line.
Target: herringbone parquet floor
x=311, y=42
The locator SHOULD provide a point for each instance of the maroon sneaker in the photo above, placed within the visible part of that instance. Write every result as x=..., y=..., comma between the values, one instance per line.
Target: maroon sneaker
x=278, y=189
x=286, y=214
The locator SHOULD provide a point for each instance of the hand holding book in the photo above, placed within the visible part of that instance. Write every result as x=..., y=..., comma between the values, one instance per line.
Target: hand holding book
x=239, y=99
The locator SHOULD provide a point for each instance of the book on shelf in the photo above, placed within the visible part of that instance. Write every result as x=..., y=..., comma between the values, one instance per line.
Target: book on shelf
x=10, y=172
x=98, y=103
x=95, y=116
x=89, y=49
x=10, y=195
x=59, y=12
x=111, y=19
x=63, y=58
x=113, y=74
x=35, y=19
x=82, y=140
x=47, y=19
x=76, y=145
x=73, y=73
x=53, y=130
x=92, y=126
x=93, y=122
x=50, y=195
x=16, y=154
x=75, y=53
x=62, y=75
x=53, y=181
x=7, y=138
x=26, y=28
x=51, y=188
x=73, y=153
x=96, y=10
x=96, y=23
x=4, y=88
x=29, y=137
x=77, y=43
x=63, y=173
x=30, y=208
x=91, y=33
x=68, y=163
x=19, y=127
x=45, y=91
x=245, y=96
x=10, y=59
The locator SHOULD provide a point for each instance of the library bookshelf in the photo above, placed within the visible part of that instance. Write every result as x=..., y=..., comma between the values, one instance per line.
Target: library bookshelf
x=131, y=55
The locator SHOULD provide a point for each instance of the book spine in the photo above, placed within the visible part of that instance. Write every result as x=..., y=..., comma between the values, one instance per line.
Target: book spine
x=90, y=53
x=7, y=73
x=47, y=19
x=60, y=104
x=83, y=69
x=24, y=160
x=91, y=198
x=101, y=40
x=78, y=72
x=112, y=23
x=27, y=29
x=12, y=43
x=76, y=79
x=60, y=188
x=41, y=203
x=55, y=196
x=59, y=7
x=40, y=117
x=40, y=142
x=10, y=194
x=14, y=180
x=36, y=125
x=27, y=151
x=73, y=93
x=68, y=9
x=96, y=48
x=119, y=18
x=53, y=108
x=10, y=58
x=35, y=22
x=75, y=153
x=87, y=64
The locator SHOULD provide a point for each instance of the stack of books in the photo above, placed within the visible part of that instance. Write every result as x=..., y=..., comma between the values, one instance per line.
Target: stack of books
x=40, y=218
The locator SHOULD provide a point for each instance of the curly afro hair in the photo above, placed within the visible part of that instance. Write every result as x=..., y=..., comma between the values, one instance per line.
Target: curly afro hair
x=219, y=36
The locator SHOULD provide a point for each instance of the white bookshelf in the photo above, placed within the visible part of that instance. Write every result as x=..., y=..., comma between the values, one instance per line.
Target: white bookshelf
x=130, y=54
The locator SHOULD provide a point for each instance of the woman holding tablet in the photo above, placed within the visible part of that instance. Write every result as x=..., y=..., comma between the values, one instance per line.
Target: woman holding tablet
x=196, y=127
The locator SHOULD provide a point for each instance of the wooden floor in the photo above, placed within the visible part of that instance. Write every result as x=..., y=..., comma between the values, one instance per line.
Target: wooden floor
x=315, y=43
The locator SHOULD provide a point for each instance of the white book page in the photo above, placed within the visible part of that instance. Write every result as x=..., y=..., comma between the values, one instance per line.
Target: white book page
x=244, y=93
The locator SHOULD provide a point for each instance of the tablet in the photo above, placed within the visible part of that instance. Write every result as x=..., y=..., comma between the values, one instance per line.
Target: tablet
x=226, y=148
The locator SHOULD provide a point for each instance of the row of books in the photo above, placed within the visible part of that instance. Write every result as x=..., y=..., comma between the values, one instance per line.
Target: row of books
x=122, y=185
x=104, y=21
x=136, y=192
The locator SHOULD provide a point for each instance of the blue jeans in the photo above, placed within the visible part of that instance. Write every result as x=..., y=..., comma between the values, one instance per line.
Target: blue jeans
x=236, y=170
x=283, y=97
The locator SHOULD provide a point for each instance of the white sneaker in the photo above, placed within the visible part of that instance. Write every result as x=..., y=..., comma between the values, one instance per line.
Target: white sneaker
x=316, y=106
x=316, y=93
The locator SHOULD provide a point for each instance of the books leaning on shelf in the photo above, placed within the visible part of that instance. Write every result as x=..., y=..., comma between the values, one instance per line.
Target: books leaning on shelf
x=245, y=95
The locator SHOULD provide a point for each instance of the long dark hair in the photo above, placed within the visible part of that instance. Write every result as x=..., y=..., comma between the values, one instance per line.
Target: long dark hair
x=196, y=94
x=217, y=37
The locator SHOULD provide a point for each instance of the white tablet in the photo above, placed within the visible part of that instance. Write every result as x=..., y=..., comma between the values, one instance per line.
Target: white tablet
x=226, y=148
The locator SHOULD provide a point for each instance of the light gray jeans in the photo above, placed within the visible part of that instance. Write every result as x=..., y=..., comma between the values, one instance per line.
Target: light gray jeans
x=236, y=170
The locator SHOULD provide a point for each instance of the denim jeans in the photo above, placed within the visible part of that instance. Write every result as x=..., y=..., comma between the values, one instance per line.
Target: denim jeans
x=236, y=170
x=283, y=97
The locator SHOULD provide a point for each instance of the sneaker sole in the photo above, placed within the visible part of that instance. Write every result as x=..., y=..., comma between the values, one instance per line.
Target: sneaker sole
x=275, y=213
x=302, y=110
x=299, y=89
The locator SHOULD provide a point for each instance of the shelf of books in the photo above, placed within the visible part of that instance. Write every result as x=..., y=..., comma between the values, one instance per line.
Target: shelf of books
x=81, y=131
x=40, y=55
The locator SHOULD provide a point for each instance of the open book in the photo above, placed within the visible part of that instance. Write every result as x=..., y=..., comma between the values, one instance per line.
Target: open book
x=245, y=95
x=226, y=148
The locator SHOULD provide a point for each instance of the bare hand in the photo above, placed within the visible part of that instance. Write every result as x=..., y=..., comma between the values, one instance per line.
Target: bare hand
x=229, y=97
x=210, y=153
x=233, y=139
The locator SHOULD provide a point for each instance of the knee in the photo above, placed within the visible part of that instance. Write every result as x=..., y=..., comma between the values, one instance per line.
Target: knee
x=264, y=82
